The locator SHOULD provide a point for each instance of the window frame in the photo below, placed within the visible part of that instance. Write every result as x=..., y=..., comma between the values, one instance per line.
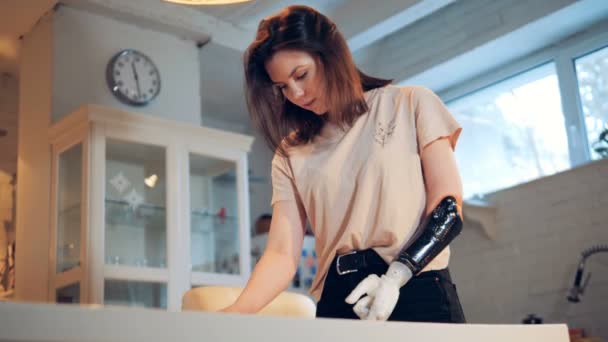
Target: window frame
x=563, y=54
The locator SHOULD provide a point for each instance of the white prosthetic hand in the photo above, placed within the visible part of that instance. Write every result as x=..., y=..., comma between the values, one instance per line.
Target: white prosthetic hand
x=382, y=293
x=438, y=230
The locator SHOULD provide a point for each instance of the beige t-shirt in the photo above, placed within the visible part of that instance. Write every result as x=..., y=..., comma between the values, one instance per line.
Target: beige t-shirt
x=363, y=187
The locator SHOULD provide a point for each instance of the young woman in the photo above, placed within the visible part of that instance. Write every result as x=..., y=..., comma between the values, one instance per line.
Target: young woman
x=369, y=164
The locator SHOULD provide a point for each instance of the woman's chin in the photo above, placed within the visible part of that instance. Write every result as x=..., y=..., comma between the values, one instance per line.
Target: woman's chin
x=314, y=110
x=318, y=111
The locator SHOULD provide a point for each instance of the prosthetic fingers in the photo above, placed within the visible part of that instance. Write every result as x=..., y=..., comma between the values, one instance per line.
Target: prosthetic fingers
x=436, y=232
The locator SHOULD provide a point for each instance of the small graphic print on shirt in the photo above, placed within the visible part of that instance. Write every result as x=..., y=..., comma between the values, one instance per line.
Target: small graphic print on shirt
x=384, y=132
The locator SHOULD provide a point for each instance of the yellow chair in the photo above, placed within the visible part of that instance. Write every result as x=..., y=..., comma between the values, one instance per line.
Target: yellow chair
x=215, y=298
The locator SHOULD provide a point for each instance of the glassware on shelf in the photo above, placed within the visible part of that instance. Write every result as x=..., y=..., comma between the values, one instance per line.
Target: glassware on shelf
x=142, y=223
x=141, y=262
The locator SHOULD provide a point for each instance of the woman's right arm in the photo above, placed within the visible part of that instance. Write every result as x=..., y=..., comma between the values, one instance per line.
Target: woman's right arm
x=278, y=264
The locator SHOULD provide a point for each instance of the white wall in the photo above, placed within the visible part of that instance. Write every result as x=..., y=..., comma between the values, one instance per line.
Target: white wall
x=222, y=95
x=543, y=226
x=83, y=44
x=34, y=164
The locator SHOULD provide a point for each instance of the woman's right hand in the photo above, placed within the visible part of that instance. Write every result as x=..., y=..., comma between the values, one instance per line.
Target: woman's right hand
x=275, y=270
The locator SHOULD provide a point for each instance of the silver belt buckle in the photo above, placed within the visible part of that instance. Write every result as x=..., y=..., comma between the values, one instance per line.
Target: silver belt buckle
x=338, y=264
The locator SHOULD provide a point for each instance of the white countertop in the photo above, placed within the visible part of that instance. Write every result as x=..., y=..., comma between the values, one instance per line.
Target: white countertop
x=52, y=322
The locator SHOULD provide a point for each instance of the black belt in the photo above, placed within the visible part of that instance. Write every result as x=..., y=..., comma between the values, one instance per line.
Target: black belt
x=357, y=260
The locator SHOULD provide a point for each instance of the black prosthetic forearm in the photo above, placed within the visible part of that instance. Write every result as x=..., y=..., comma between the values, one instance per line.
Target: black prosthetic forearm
x=438, y=230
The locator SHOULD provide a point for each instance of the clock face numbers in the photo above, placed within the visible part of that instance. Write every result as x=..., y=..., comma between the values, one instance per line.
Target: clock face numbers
x=133, y=78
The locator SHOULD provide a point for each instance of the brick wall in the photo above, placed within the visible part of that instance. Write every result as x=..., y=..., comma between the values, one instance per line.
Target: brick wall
x=542, y=228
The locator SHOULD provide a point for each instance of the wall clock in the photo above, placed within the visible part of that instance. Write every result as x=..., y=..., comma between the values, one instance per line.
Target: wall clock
x=133, y=78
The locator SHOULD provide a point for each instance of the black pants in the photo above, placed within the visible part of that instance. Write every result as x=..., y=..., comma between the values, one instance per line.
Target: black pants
x=428, y=297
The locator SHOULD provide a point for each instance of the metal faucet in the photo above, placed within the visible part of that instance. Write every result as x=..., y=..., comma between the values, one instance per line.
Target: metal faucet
x=577, y=288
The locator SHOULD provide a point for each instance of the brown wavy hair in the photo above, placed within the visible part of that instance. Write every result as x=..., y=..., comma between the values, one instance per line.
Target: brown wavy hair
x=303, y=28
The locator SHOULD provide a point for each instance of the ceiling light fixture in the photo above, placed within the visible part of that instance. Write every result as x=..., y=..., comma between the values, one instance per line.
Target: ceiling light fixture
x=206, y=2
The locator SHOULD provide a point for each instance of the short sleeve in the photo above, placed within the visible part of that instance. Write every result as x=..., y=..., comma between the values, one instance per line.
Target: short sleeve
x=283, y=186
x=433, y=119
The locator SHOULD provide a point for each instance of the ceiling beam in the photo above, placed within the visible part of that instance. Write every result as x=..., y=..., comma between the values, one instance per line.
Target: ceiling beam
x=388, y=16
x=456, y=30
x=180, y=20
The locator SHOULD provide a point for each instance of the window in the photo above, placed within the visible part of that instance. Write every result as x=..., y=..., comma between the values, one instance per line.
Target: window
x=592, y=77
x=538, y=115
x=513, y=132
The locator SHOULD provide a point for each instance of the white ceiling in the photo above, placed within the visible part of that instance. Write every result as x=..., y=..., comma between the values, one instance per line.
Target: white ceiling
x=249, y=14
x=227, y=24
x=360, y=23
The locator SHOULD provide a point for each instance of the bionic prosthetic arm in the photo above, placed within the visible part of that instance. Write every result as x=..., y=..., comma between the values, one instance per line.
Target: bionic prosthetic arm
x=438, y=230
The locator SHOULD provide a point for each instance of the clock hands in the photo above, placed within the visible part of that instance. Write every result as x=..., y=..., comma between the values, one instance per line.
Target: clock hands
x=143, y=73
x=136, y=79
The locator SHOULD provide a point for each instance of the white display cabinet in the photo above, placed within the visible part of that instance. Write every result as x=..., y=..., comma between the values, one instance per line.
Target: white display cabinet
x=143, y=209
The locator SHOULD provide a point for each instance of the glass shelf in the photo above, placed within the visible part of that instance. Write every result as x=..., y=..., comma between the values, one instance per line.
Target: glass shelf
x=122, y=213
x=70, y=211
x=68, y=249
x=202, y=221
x=135, y=294
x=214, y=243
x=135, y=234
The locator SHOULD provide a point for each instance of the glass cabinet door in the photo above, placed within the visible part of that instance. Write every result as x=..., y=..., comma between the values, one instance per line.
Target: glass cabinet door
x=135, y=293
x=68, y=294
x=135, y=224
x=69, y=193
x=135, y=205
x=143, y=207
x=214, y=221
